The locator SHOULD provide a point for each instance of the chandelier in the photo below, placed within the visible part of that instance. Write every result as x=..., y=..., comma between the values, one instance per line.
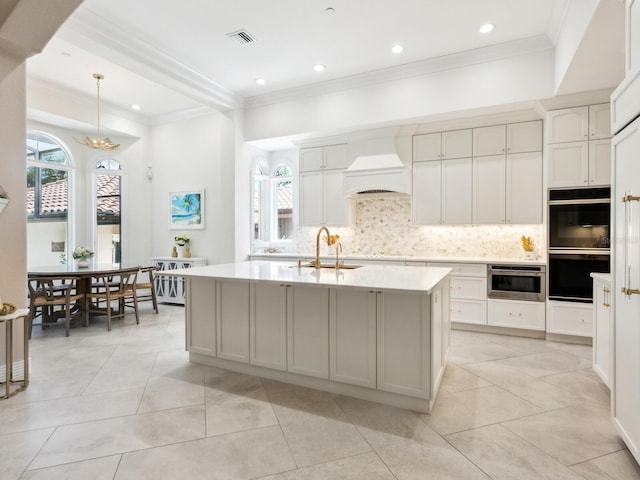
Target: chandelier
x=98, y=143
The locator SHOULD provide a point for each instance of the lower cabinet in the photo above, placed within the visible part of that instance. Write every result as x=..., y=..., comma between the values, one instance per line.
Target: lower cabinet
x=516, y=314
x=352, y=337
x=394, y=342
x=268, y=325
x=569, y=318
x=308, y=331
x=200, y=310
x=404, y=364
x=232, y=324
x=602, y=328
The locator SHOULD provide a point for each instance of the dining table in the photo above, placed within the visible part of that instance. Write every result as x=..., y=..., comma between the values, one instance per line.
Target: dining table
x=83, y=276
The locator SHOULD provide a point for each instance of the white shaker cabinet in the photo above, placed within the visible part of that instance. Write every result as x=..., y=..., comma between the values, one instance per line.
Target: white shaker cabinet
x=408, y=326
x=322, y=199
x=442, y=145
x=457, y=191
x=232, y=320
x=321, y=185
x=568, y=125
x=352, y=337
x=467, y=292
x=523, y=188
x=200, y=309
x=308, y=331
x=268, y=325
x=330, y=157
x=602, y=327
x=579, y=147
x=489, y=189
x=427, y=192
x=568, y=318
x=516, y=314
x=511, y=138
x=568, y=164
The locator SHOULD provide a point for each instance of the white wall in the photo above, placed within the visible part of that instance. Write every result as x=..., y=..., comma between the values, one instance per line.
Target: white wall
x=574, y=26
x=198, y=153
x=513, y=80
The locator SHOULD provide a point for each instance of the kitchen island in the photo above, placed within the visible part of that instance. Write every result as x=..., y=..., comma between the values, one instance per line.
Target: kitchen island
x=379, y=333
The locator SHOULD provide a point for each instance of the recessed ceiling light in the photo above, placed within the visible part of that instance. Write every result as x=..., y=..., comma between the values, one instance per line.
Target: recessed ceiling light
x=65, y=54
x=135, y=106
x=329, y=10
x=486, y=28
x=318, y=67
x=260, y=81
x=397, y=49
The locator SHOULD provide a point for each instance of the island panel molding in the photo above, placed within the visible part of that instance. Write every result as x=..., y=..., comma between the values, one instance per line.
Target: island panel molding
x=300, y=325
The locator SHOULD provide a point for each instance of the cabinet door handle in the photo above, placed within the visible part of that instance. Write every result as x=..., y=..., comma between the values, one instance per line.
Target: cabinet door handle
x=606, y=304
x=606, y=290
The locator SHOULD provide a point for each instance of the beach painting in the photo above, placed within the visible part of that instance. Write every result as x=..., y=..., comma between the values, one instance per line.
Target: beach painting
x=187, y=209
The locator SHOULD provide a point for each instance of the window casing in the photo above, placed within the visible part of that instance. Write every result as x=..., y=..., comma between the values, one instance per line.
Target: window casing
x=272, y=215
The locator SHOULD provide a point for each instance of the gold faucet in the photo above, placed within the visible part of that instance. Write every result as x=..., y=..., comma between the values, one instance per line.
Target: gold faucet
x=317, y=264
x=338, y=249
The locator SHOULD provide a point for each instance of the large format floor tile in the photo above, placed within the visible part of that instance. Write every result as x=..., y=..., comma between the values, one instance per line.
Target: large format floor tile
x=118, y=435
x=237, y=456
x=505, y=456
x=475, y=408
x=316, y=429
x=571, y=434
x=127, y=404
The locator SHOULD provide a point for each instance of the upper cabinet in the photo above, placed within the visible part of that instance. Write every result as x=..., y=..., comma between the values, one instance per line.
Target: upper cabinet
x=499, y=180
x=322, y=200
x=512, y=138
x=331, y=157
x=442, y=145
x=579, y=150
x=568, y=125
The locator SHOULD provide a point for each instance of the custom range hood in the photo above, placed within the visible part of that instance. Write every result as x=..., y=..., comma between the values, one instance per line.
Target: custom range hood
x=377, y=165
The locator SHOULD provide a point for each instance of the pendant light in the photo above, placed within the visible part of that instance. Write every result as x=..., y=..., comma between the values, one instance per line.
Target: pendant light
x=98, y=143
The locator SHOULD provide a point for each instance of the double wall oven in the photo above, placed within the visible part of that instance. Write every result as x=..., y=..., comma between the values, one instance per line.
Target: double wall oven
x=579, y=221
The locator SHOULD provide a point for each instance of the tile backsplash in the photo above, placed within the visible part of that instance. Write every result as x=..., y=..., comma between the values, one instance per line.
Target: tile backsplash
x=383, y=227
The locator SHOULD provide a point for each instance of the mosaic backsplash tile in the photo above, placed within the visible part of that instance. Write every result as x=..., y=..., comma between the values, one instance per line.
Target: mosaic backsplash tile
x=383, y=227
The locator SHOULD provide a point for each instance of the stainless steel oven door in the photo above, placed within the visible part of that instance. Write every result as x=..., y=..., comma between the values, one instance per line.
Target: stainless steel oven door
x=516, y=282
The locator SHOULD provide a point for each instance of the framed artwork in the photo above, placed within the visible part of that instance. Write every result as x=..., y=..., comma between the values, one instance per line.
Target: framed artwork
x=186, y=209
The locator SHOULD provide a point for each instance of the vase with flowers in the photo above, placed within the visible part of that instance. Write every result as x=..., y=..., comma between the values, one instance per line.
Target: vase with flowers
x=182, y=241
x=82, y=256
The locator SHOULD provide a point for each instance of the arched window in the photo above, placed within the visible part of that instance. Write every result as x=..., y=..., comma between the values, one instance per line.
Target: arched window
x=272, y=205
x=48, y=200
x=108, y=189
x=282, y=190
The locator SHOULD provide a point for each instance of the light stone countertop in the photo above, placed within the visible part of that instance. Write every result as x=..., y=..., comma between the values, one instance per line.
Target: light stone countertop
x=382, y=258
x=374, y=277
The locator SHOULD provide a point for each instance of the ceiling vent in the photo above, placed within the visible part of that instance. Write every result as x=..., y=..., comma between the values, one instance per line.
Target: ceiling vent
x=242, y=37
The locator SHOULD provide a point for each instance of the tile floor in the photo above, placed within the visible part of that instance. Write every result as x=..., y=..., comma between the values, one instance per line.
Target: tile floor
x=127, y=404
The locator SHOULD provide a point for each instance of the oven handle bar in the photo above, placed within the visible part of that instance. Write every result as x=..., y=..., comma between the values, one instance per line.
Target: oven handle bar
x=628, y=226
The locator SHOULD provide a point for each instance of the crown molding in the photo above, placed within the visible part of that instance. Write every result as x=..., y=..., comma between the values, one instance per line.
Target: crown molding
x=558, y=17
x=424, y=67
x=182, y=115
x=89, y=29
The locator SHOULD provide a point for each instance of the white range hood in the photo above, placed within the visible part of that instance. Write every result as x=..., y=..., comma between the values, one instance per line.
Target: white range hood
x=377, y=167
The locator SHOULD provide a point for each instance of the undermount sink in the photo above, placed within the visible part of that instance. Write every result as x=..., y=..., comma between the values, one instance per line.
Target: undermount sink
x=330, y=265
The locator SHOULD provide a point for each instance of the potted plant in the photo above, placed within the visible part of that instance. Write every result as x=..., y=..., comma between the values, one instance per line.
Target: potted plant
x=82, y=255
x=182, y=242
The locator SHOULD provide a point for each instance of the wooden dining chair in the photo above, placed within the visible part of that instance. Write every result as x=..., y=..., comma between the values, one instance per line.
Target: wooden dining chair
x=118, y=287
x=146, y=289
x=50, y=298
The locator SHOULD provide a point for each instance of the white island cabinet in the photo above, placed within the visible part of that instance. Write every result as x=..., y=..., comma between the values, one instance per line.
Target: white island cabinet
x=380, y=333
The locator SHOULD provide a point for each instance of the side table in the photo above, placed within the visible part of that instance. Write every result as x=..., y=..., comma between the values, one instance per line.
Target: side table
x=8, y=354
